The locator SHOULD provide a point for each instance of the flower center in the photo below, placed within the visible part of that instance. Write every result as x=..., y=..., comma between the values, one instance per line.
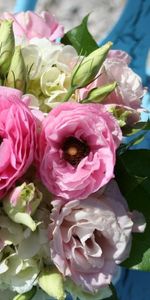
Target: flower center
x=1, y=140
x=74, y=150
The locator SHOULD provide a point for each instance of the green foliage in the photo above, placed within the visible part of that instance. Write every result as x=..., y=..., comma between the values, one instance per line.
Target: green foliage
x=136, y=128
x=133, y=176
x=80, y=38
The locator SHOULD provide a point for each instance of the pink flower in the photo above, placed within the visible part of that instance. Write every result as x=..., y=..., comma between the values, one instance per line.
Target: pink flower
x=30, y=25
x=77, y=148
x=115, y=68
x=17, y=138
x=90, y=237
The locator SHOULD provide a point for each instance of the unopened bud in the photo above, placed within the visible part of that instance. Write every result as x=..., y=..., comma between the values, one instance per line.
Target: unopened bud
x=7, y=46
x=17, y=75
x=22, y=203
x=85, y=72
x=51, y=281
x=97, y=95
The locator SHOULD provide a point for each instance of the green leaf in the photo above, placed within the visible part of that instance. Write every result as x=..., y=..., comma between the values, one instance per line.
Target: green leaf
x=145, y=264
x=136, y=128
x=133, y=177
x=80, y=38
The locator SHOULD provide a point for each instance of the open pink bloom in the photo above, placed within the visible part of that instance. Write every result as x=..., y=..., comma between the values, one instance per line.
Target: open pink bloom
x=90, y=237
x=115, y=68
x=77, y=148
x=17, y=137
x=31, y=25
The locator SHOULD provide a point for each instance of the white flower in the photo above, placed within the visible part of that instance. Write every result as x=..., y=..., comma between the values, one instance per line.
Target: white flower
x=23, y=252
x=10, y=233
x=17, y=274
x=50, y=66
x=7, y=294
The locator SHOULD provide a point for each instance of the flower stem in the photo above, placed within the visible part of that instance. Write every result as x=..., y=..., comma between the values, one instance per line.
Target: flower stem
x=68, y=95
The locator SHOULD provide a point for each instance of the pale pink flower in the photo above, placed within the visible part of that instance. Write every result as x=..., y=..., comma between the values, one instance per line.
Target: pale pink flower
x=90, y=237
x=115, y=68
x=17, y=137
x=29, y=25
x=77, y=149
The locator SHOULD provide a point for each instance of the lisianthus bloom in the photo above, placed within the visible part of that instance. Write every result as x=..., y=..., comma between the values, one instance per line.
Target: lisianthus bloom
x=50, y=66
x=90, y=237
x=17, y=137
x=77, y=148
x=27, y=25
x=129, y=89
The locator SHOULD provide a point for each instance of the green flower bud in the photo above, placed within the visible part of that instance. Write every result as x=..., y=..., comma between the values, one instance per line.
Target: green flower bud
x=97, y=95
x=7, y=45
x=86, y=71
x=17, y=75
x=51, y=282
x=22, y=203
x=26, y=296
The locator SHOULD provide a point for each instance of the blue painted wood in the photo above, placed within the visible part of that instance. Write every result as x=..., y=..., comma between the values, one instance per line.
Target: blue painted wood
x=132, y=34
x=24, y=5
x=133, y=285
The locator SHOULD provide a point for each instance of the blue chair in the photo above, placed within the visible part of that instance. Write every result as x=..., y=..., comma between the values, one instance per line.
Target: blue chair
x=132, y=34
x=24, y=5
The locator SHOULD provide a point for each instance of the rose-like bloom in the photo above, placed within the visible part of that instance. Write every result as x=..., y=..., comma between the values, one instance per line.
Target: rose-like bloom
x=129, y=89
x=77, y=148
x=90, y=237
x=17, y=137
x=27, y=25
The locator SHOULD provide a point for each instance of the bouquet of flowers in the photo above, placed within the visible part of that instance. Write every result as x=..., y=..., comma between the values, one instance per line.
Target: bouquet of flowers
x=74, y=191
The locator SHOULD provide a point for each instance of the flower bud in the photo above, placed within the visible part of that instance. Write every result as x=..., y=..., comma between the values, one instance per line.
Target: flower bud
x=22, y=203
x=97, y=95
x=51, y=282
x=7, y=45
x=17, y=75
x=85, y=72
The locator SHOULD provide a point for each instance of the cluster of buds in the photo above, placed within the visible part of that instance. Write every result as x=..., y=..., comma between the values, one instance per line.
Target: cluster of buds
x=13, y=72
